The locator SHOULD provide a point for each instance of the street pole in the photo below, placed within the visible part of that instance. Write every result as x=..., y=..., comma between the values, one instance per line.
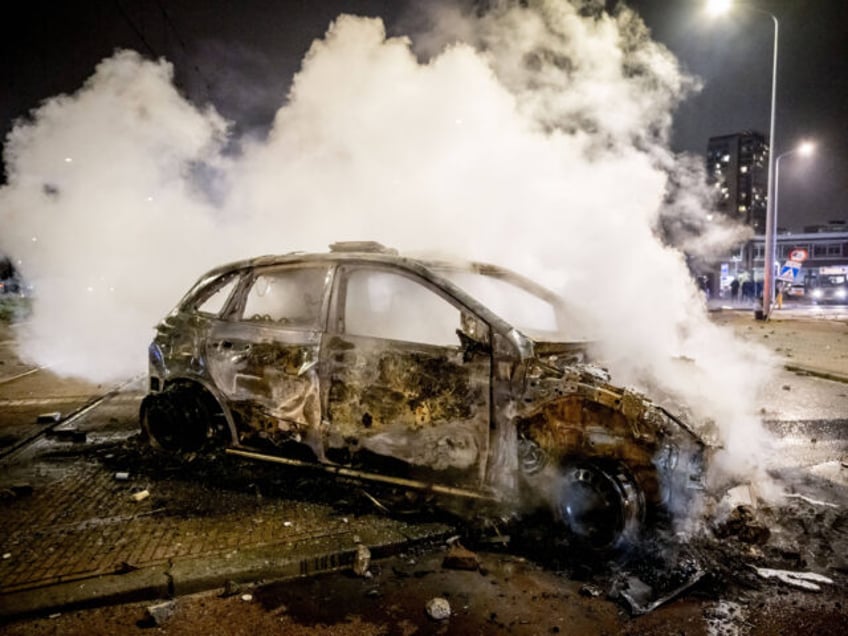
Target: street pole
x=771, y=207
x=805, y=149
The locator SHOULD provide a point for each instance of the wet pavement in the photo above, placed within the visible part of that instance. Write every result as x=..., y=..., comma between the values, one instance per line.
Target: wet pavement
x=75, y=536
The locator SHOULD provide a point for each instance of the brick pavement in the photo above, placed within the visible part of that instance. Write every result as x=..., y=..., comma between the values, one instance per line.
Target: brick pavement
x=85, y=524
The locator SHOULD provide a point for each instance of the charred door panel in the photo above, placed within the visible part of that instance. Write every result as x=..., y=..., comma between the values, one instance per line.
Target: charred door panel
x=265, y=358
x=400, y=385
x=270, y=378
x=422, y=405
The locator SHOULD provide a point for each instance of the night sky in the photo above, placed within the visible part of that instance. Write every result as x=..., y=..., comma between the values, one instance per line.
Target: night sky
x=241, y=55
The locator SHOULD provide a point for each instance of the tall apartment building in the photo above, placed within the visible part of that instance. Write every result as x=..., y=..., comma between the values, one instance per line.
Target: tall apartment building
x=737, y=166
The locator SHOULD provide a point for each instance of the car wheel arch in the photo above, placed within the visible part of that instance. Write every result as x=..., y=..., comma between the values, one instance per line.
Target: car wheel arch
x=227, y=433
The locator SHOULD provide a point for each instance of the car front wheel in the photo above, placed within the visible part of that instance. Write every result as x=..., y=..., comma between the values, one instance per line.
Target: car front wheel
x=180, y=420
x=599, y=505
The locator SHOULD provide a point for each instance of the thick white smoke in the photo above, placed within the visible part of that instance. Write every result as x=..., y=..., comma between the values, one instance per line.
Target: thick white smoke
x=531, y=137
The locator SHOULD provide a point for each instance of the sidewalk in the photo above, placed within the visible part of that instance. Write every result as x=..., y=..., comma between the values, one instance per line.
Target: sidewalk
x=807, y=342
x=82, y=540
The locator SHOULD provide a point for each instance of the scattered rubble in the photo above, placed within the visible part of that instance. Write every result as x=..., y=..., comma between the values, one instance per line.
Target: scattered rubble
x=68, y=435
x=802, y=580
x=743, y=524
x=231, y=588
x=590, y=591
x=141, y=495
x=810, y=500
x=460, y=558
x=642, y=598
x=361, y=560
x=160, y=612
x=438, y=609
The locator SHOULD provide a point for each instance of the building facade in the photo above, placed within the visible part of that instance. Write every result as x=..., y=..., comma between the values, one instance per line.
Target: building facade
x=826, y=255
x=737, y=167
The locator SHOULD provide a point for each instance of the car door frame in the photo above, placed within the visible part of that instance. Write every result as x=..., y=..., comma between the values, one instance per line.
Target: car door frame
x=336, y=329
x=232, y=326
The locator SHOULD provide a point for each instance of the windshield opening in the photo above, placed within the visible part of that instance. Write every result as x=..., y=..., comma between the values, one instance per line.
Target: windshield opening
x=528, y=312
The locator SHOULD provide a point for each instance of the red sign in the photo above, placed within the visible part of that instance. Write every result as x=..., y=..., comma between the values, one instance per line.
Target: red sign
x=799, y=255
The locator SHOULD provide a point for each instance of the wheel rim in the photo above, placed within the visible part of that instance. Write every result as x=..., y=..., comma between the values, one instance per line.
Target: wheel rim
x=599, y=507
x=177, y=422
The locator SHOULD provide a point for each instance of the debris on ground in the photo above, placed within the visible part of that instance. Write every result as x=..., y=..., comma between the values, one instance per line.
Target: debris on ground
x=231, y=588
x=160, y=612
x=68, y=435
x=743, y=524
x=591, y=591
x=141, y=495
x=438, y=609
x=643, y=598
x=802, y=580
x=460, y=558
x=361, y=560
x=122, y=476
x=377, y=504
x=247, y=598
x=49, y=418
x=810, y=500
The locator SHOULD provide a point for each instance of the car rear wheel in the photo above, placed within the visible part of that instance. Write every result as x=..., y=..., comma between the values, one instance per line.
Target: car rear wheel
x=600, y=506
x=181, y=420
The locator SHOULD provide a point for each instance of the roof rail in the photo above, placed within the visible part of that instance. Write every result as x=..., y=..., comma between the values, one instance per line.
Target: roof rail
x=361, y=246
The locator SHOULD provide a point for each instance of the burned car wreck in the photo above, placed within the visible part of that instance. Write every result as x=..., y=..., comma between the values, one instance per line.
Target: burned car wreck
x=440, y=376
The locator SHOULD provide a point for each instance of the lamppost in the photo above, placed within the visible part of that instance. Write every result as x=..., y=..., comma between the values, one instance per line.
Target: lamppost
x=805, y=149
x=722, y=6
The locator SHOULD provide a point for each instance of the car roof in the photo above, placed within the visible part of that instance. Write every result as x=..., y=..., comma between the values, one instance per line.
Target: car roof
x=371, y=252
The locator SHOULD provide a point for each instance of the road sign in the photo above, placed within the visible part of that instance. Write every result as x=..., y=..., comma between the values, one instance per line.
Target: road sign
x=798, y=255
x=789, y=271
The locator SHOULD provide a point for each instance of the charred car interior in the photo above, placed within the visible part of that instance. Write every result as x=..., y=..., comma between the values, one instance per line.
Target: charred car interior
x=441, y=376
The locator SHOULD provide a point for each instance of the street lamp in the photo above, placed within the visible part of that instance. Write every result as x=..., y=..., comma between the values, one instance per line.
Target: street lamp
x=805, y=149
x=716, y=7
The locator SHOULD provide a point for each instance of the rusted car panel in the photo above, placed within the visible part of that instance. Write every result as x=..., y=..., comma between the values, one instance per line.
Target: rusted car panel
x=389, y=368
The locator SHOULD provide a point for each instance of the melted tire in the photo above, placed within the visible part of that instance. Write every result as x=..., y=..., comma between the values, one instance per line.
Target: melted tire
x=179, y=420
x=600, y=507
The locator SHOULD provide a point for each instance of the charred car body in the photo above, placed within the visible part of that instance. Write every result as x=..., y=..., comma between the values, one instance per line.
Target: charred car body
x=418, y=373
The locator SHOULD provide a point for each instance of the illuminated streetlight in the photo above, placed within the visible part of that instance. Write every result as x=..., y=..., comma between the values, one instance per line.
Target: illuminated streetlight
x=716, y=7
x=805, y=149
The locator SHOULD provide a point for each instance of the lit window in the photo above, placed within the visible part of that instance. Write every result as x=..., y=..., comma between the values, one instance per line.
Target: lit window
x=743, y=208
x=726, y=158
x=743, y=169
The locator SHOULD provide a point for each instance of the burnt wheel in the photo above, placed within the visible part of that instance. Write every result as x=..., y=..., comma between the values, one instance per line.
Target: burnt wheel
x=600, y=506
x=181, y=420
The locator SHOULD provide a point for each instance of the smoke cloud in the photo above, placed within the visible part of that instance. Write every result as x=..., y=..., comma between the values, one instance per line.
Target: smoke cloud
x=532, y=136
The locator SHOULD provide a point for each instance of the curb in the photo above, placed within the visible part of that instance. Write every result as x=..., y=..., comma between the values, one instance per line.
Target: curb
x=190, y=575
x=818, y=373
